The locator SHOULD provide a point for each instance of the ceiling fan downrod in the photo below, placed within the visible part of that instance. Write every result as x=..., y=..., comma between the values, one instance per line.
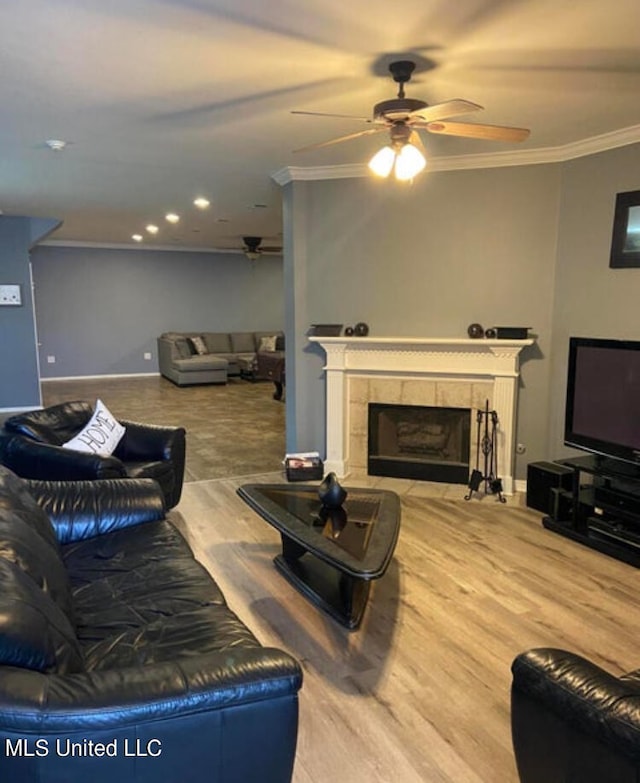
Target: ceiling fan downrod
x=401, y=71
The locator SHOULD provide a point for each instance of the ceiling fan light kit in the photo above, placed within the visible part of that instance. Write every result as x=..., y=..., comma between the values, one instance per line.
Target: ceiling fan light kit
x=409, y=162
x=404, y=117
x=406, y=162
x=382, y=162
x=403, y=157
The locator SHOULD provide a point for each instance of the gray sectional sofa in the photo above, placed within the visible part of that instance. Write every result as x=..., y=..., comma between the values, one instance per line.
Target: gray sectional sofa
x=225, y=355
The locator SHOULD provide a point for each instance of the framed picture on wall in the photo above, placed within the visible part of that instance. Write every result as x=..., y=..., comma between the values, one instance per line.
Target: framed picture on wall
x=625, y=242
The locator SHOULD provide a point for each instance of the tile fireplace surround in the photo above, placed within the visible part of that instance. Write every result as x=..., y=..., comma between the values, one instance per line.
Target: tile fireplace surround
x=457, y=373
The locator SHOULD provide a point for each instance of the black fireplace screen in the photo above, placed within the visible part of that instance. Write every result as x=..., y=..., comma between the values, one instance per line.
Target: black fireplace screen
x=419, y=442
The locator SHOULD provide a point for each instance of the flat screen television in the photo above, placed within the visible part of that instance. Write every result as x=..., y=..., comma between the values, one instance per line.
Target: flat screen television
x=603, y=398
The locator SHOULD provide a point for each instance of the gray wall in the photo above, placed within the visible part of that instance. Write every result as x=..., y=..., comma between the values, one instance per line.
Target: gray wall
x=99, y=310
x=19, y=383
x=591, y=300
x=511, y=246
x=305, y=421
x=428, y=260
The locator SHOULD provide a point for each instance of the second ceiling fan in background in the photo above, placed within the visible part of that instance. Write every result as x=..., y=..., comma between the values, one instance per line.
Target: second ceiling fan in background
x=253, y=248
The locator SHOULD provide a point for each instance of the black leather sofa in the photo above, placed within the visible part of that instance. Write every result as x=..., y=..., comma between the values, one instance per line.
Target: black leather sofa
x=572, y=721
x=145, y=451
x=119, y=657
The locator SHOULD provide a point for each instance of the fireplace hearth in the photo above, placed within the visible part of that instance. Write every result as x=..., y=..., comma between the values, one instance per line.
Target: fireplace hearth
x=419, y=442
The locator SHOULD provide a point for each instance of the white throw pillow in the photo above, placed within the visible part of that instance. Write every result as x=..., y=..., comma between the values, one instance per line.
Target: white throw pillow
x=101, y=435
x=267, y=343
x=199, y=345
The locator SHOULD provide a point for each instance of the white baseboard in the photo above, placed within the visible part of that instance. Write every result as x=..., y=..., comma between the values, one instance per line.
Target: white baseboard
x=101, y=377
x=21, y=409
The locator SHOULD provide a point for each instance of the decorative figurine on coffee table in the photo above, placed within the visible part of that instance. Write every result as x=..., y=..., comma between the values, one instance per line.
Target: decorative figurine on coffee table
x=337, y=518
x=331, y=494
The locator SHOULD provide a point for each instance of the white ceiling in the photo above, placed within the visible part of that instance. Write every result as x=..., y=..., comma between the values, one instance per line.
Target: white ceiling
x=163, y=100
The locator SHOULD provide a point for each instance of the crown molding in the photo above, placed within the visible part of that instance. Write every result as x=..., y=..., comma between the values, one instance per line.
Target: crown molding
x=344, y=171
x=159, y=248
x=602, y=143
x=136, y=246
x=558, y=154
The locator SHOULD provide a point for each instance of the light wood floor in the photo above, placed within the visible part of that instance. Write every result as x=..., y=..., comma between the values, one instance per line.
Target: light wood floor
x=421, y=691
x=231, y=430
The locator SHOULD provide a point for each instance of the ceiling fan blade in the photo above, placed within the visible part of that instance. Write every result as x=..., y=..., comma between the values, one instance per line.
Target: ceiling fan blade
x=415, y=139
x=340, y=139
x=440, y=111
x=477, y=131
x=340, y=116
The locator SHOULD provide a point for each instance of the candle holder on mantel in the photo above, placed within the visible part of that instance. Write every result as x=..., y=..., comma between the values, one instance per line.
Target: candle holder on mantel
x=487, y=442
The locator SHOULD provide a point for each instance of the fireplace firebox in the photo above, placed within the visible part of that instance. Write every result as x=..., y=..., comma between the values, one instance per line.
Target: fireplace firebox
x=419, y=442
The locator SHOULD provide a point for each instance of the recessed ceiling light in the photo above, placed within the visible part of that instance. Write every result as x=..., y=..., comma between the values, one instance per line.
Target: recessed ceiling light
x=57, y=145
x=201, y=202
x=171, y=217
x=152, y=229
x=137, y=237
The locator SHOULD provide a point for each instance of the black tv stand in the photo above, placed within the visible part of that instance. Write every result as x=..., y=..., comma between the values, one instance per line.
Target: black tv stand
x=604, y=512
x=608, y=466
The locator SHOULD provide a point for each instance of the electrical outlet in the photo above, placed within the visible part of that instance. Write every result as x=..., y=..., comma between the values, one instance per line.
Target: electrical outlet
x=147, y=357
x=10, y=295
x=51, y=359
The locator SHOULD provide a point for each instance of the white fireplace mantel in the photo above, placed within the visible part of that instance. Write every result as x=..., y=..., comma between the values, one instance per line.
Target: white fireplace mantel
x=442, y=359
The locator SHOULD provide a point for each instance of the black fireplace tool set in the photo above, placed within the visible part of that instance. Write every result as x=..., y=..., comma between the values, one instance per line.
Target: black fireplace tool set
x=487, y=442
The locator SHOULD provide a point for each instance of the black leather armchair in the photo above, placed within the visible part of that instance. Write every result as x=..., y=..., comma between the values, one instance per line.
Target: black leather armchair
x=32, y=447
x=573, y=722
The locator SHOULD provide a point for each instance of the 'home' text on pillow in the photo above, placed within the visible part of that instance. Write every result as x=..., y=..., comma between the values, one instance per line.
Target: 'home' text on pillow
x=101, y=435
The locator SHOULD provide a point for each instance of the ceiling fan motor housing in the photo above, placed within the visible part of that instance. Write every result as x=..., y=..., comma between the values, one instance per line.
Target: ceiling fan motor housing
x=401, y=70
x=400, y=133
x=397, y=108
x=252, y=243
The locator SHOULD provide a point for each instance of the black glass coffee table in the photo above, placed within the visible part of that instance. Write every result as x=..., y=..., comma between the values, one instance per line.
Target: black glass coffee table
x=330, y=555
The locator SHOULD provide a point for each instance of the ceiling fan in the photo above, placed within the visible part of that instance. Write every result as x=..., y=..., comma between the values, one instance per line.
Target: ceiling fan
x=403, y=117
x=253, y=248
